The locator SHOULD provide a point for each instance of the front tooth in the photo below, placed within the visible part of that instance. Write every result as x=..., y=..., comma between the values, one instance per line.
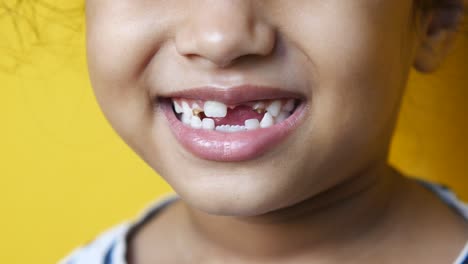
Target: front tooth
x=252, y=124
x=208, y=123
x=274, y=108
x=178, y=109
x=186, y=118
x=289, y=106
x=196, y=122
x=215, y=109
x=267, y=120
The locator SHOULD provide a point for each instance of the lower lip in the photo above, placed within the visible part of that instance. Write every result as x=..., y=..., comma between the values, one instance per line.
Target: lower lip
x=230, y=147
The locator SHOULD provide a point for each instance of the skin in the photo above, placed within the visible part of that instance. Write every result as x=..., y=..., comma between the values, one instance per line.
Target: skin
x=327, y=193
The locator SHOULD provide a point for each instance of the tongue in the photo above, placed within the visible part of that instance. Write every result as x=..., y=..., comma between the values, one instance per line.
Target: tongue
x=238, y=115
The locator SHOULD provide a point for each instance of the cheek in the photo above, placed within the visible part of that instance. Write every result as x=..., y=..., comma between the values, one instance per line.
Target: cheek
x=123, y=37
x=118, y=48
x=362, y=57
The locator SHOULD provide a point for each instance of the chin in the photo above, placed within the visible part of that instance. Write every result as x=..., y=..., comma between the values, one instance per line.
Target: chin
x=241, y=192
x=229, y=204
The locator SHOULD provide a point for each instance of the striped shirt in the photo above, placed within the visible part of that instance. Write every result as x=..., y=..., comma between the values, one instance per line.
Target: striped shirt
x=111, y=246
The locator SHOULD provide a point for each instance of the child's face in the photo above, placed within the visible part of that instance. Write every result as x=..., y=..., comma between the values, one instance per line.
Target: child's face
x=347, y=61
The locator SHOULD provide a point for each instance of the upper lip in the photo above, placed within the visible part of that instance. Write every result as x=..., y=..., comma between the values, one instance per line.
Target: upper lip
x=235, y=95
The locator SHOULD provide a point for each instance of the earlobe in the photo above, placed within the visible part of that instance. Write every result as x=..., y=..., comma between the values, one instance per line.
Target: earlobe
x=436, y=38
x=432, y=50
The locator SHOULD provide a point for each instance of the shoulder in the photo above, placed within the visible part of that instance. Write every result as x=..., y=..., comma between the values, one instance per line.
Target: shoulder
x=448, y=196
x=110, y=246
x=452, y=231
x=101, y=249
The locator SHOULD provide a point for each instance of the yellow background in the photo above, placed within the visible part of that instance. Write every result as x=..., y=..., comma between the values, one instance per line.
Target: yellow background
x=66, y=176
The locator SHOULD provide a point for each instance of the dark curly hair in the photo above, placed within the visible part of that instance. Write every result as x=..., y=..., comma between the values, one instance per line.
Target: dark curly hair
x=28, y=24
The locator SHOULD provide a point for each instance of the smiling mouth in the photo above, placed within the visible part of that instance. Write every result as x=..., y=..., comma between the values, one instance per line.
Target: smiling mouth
x=236, y=124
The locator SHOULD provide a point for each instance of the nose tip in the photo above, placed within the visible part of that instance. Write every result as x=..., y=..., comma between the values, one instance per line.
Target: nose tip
x=223, y=36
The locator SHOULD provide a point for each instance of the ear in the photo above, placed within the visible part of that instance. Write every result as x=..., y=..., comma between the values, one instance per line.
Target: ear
x=438, y=31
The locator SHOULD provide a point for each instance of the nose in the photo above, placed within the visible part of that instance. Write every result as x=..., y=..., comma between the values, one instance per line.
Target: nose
x=221, y=31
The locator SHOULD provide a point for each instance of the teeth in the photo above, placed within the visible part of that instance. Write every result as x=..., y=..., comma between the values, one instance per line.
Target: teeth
x=186, y=118
x=178, y=109
x=267, y=120
x=275, y=111
x=289, y=106
x=196, y=109
x=221, y=128
x=258, y=105
x=274, y=108
x=237, y=128
x=215, y=109
x=187, y=113
x=208, y=124
x=281, y=117
x=229, y=128
x=186, y=108
x=252, y=124
x=196, y=122
x=195, y=106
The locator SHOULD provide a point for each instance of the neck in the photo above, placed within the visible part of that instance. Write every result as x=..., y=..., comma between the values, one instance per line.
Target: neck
x=345, y=213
